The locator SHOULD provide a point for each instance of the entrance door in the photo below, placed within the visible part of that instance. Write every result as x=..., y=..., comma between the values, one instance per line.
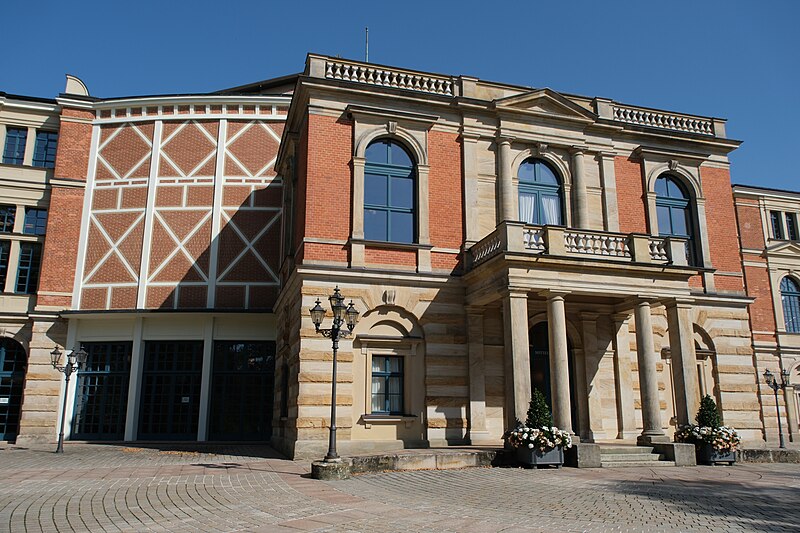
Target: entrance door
x=101, y=400
x=242, y=390
x=540, y=369
x=13, y=362
x=170, y=401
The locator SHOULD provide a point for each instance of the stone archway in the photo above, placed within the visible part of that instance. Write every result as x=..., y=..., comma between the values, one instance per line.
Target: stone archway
x=13, y=364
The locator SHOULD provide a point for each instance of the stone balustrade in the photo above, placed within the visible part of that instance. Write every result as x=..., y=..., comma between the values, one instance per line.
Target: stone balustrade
x=659, y=119
x=557, y=241
x=388, y=77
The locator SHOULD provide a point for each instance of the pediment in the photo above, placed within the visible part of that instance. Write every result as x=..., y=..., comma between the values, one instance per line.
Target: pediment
x=785, y=249
x=546, y=102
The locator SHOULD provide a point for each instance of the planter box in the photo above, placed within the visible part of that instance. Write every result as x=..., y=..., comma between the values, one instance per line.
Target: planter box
x=707, y=455
x=533, y=457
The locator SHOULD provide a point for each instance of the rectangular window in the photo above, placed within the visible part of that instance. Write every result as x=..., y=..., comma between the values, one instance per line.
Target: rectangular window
x=7, y=215
x=44, y=152
x=101, y=397
x=14, y=152
x=777, y=229
x=791, y=227
x=35, y=221
x=5, y=248
x=387, y=384
x=30, y=257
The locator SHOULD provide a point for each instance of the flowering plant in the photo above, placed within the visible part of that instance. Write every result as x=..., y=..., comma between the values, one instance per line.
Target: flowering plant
x=543, y=439
x=722, y=438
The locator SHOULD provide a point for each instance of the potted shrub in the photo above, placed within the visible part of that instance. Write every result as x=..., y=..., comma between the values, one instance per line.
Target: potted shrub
x=714, y=443
x=537, y=442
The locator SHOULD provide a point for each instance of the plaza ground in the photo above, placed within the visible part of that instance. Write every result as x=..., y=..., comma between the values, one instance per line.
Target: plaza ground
x=251, y=488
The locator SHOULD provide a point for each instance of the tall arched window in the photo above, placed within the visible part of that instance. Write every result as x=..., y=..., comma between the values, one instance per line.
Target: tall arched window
x=790, y=297
x=389, y=193
x=674, y=212
x=539, y=193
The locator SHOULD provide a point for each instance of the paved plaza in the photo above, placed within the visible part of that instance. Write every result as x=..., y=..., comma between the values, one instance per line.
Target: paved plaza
x=250, y=488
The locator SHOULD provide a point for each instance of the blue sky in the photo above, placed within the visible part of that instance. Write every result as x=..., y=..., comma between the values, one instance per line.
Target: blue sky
x=733, y=59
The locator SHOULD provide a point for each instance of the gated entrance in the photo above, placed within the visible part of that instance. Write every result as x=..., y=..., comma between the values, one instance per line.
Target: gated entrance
x=242, y=388
x=13, y=362
x=101, y=397
x=170, y=394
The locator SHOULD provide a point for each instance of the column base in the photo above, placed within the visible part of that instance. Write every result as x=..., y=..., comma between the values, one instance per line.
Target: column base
x=481, y=438
x=627, y=435
x=646, y=440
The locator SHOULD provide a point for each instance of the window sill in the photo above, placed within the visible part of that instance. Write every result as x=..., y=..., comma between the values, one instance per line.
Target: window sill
x=369, y=419
x=394, y=245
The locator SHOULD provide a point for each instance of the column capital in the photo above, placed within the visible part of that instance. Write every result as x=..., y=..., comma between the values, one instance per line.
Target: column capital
x=577, y=150
x=680, y=303
x=621, y=317
x=513, y=292
x=553, y=294
x=475, y=310
x=504, y=139
x=587, y=316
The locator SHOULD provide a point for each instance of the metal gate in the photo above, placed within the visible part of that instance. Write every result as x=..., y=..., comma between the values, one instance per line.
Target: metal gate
x=170, y=395
x=101, y=398
x=242, y=390
x=13, y=362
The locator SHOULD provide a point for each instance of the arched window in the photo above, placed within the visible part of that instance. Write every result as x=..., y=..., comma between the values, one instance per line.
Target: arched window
x=539, y=193
x=389, y=193
x=13, y=363
x=674, y=212
x=790, y=297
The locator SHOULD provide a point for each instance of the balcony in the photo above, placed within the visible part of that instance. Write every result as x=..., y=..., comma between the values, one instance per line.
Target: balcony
x=523, y=241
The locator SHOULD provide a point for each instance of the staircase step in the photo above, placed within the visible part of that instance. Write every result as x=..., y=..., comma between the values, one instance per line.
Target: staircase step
x=626, y=450
x=630, y=457
x=648, y=464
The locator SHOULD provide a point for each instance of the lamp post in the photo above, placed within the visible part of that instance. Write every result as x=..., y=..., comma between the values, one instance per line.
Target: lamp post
x=75, y=362
x=342, y=315
x=773, y=384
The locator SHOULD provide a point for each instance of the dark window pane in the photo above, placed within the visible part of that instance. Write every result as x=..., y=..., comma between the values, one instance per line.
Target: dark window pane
x=399, y=156
x=35, y=221
x=402, y=193
x=44, y=154
x=544, y=175
x=777, y=230
x=402, y=226
x=377, y=152
x=526, y=172
x=791, y=227
x=7, y=215
x=14, y=151
x=5, y=248
x=679, y=221
x=661, y=187
x=375, y=225
x=28, y=270
x=375, y=190
x=664, y=224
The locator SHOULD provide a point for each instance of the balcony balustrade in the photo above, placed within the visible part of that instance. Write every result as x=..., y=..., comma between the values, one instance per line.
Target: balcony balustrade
x=557, y=241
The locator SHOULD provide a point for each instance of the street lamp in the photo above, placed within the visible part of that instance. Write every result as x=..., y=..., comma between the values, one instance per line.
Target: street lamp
x=75, y=362
x=773, y=384
x=341, y=315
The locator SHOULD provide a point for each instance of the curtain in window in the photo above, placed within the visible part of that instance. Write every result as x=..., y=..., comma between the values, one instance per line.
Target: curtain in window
x=527, y=208
x=551, y=210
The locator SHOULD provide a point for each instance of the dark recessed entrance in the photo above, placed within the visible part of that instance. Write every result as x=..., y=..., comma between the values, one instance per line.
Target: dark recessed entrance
x=13, y=362
x=171, y=378
x=101, y=399
x=242, y=389
x=540, y=369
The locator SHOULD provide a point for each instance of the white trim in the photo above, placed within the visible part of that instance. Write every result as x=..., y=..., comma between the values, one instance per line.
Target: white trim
x=135, y=381
x=216, y=213
x=205, y=379
x=87, y=208
x=141, y=295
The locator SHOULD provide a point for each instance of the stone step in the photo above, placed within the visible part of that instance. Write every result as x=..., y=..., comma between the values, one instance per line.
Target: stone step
x=630, y=457
x=626, y=449
x=648, y=464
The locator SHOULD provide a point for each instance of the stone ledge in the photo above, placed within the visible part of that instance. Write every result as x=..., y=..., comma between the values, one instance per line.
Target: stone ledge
x=433, y=460
x=769, y=455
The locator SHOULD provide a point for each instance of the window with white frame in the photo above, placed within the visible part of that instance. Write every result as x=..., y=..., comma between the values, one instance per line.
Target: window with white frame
x=387, y=384
x=540, y=193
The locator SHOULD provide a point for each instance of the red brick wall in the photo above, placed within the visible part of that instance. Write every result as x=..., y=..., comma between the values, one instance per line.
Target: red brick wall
x=751, y=231
x=301, y=171
x=445, y=195
x=723, y=237
x=762, y=314
x=630, y=196
x=62, y=236
x=387, y=256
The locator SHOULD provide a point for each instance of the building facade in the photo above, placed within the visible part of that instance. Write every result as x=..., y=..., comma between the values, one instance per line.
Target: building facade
x=493, y=238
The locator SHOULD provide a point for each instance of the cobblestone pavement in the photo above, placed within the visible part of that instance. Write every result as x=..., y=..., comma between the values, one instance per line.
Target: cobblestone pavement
x=249, y=488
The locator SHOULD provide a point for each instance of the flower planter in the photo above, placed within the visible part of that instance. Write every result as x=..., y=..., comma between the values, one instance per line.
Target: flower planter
x=706, y=454
x=533, y=457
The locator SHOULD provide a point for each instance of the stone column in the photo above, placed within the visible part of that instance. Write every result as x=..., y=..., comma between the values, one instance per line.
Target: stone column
x=592, y=418
x=789, y=398
x=684, y=361
x=477, y=383
x=581, y=219
x=648, y=376
x=505, y=178
x=626, y=422
x=559, y=360
x=518, y=376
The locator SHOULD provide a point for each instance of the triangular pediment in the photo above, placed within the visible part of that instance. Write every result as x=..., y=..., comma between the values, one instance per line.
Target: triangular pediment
x=785, y=249
x=545, y=102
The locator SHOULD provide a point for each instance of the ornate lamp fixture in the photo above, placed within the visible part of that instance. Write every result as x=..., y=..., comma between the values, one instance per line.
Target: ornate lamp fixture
x=75, y=361
x=773, y=384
